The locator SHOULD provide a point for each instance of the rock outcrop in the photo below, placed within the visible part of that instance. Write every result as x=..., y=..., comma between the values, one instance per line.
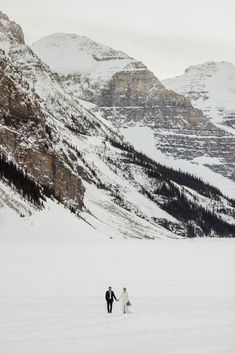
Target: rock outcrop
x=10, y=28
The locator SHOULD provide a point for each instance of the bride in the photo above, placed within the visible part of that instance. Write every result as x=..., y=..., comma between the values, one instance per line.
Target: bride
x=125, y=301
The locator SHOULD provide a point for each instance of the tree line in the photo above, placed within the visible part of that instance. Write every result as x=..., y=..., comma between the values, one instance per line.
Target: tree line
x=175, y=202
x=160, y=171
x=21, y=181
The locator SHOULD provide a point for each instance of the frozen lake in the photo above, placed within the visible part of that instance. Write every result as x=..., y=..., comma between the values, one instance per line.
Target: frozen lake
x=182, y=291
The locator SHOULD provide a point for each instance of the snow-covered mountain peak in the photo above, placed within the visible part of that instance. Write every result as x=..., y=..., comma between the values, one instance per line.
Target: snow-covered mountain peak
x=10, y=28
x=211, y=88
x=80, y=54
x=81, y=43
x=209, y=67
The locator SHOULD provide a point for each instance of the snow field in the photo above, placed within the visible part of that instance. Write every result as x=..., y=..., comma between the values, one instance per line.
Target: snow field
x=182, y=294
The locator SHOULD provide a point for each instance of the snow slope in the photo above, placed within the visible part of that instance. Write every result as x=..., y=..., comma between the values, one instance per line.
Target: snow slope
x=80, y=54
x=142, y=137
x=20, y=220
x=51, y=223
x=182, y=294
x=210, y=87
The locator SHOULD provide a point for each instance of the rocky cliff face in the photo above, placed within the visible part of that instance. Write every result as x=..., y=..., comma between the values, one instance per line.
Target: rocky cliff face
x=65, y=144
x=129, y=94
x=26, y=134
x=138, y=96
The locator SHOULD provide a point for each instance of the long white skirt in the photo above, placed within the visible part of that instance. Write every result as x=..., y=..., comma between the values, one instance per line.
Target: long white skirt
x=125, y=308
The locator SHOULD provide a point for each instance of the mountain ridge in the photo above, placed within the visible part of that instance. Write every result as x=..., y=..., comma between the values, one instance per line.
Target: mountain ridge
x=130, y=97
x=70, y=149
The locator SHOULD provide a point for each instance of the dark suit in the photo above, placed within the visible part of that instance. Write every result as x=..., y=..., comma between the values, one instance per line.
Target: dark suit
x=109, y=296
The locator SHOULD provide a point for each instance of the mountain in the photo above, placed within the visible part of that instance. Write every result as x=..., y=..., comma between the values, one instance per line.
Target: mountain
x=58, y=150
x=211, y=88
x=131, y=96
x=119, y=84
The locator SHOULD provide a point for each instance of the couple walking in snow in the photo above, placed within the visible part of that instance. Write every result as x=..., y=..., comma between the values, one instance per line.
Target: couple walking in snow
x=110, y=296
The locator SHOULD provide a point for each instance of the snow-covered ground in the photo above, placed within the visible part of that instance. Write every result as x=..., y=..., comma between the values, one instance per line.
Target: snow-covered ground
x=52, y=295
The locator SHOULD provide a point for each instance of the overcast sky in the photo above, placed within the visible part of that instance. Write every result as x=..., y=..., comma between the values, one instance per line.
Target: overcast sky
x=167, y=35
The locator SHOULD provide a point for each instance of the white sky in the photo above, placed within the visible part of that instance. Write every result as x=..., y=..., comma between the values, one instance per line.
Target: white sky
x=167, y=35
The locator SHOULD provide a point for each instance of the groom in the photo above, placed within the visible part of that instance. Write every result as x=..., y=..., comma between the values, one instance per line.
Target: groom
x=109, y=295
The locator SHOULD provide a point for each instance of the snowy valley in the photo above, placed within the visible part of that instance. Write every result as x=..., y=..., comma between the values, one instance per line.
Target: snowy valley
x=107, y=177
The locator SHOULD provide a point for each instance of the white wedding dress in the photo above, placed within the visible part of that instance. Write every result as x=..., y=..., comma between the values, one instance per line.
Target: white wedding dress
x=125, y=299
